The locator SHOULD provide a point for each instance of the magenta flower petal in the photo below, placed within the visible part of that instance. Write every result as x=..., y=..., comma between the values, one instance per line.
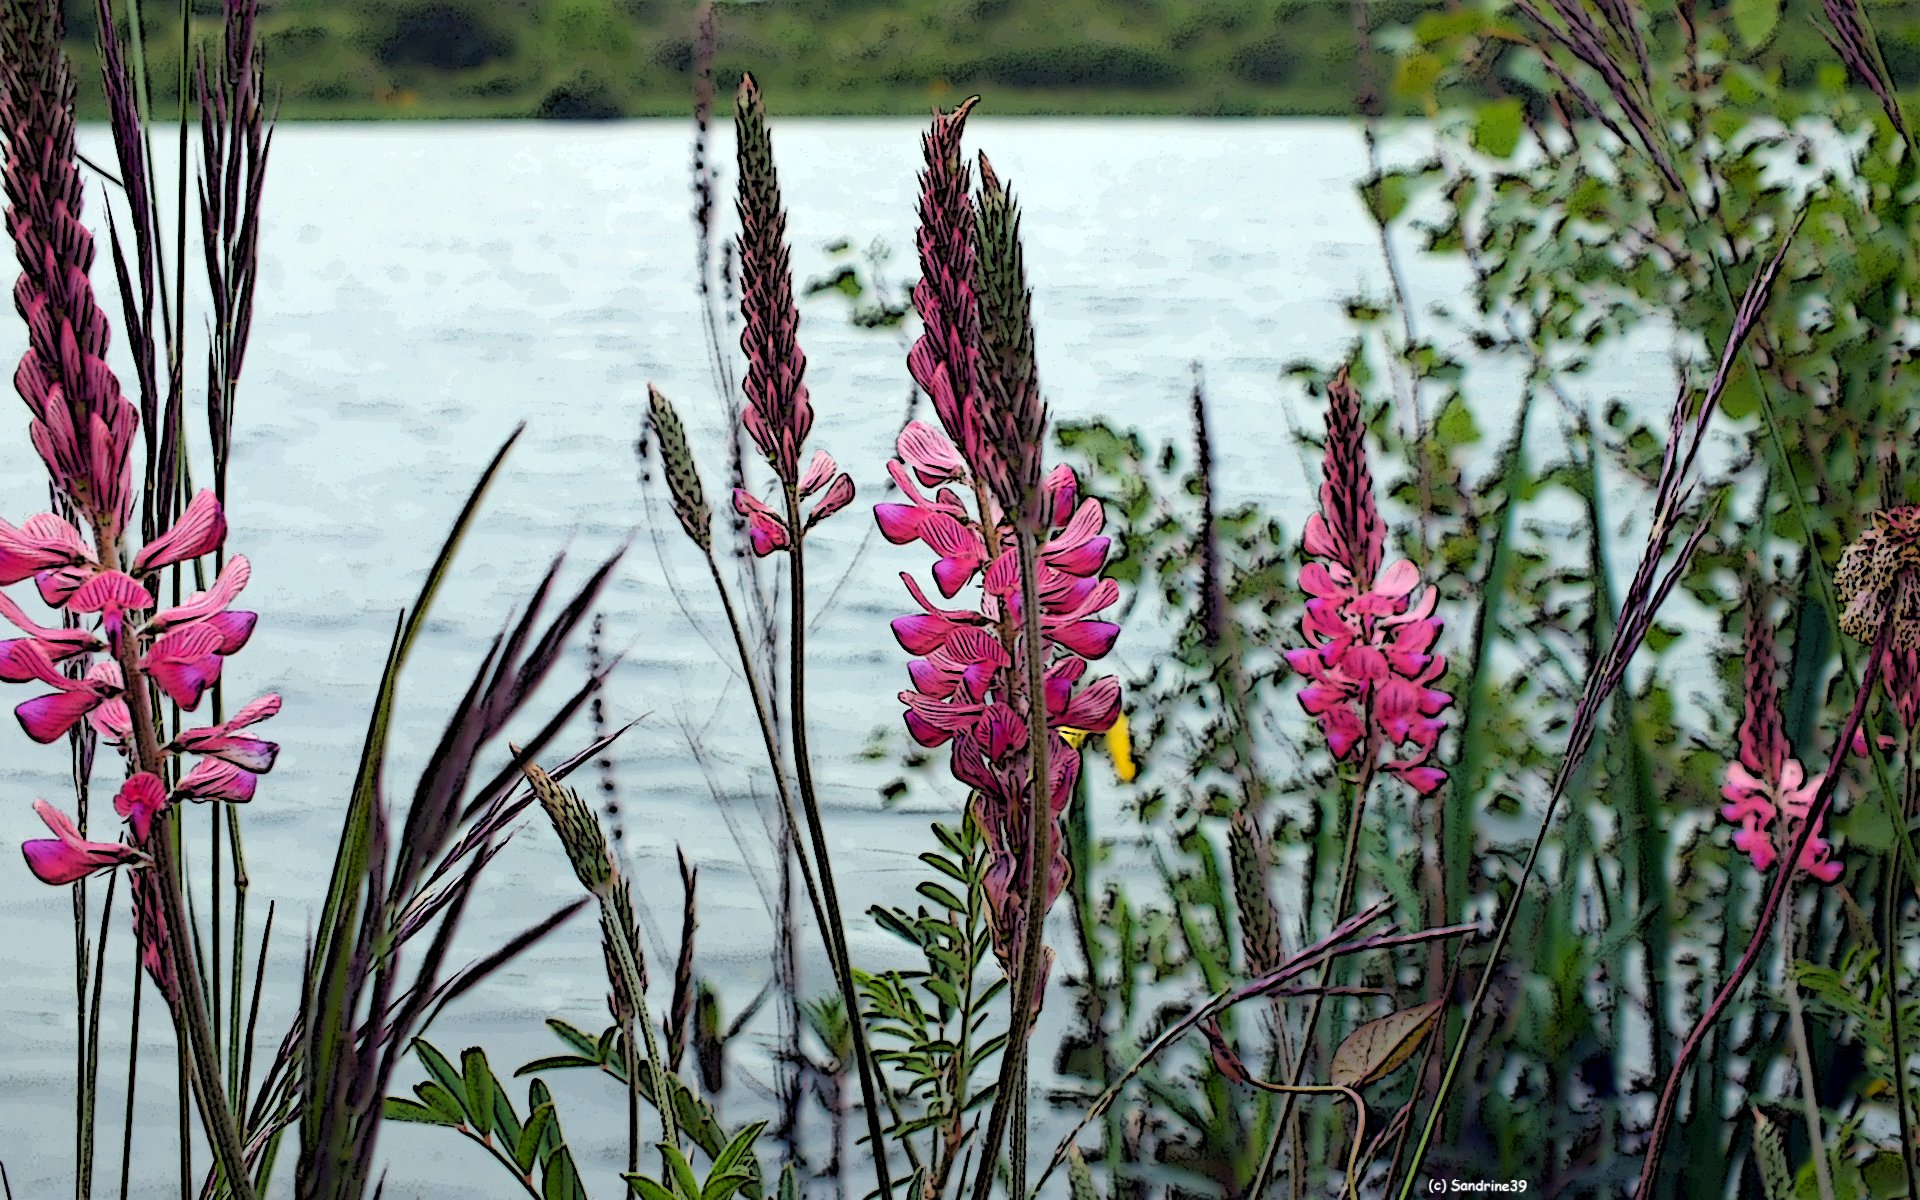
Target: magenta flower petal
x=200, y=530
x=67, y=857
x=201, y=605
x=818, y=472
x=839, y=495
x=213, y=779
x=48, y=718
x=931, y=456
x=142, y=798
x=185, y=663
x=42, y=543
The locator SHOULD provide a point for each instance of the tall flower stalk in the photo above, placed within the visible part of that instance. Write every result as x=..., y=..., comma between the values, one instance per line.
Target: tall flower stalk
x=999, y=683
x=126, y=648
x=778, y=417
x=1369, y=666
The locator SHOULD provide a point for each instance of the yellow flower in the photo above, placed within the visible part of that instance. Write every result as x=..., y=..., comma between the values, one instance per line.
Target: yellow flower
x=1118, y=744
x=1120, y=749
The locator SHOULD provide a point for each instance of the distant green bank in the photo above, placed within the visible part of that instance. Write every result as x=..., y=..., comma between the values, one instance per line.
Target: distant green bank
x=583, y=59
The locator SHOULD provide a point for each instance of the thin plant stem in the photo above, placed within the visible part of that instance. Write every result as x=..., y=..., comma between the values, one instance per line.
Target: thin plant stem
x=133, y=1079
x=512, y=1167
x=1025, y=991
x=90, y=1030
x=1349, y=872
x=1769, y=909
x=770, y=740
x=630, y=975
x=1797, y=1032
x=1895, y=889
x=832, y=928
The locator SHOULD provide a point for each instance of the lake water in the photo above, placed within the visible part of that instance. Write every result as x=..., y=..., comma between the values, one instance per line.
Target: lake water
x=425, y=288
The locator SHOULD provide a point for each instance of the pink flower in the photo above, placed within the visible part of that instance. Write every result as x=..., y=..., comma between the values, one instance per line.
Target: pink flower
x=142, y=798
x=67, y=857
x=212, y=779
x=766, y=529
x=1765, y=780
x=1369, y=662
x=48, y=718
x=43, y=543
x=968, y=690
x=200, y=530
x=224, y=742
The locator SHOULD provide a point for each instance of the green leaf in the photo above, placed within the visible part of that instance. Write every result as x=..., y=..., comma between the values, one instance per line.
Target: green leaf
x=578, y=1038
x=482, y=1088
x=789, y=1183
x=1755, y=20
x=684, y=1183
x=1497, y=127
x=559, y=1178
x=526, y=1147
x=443, y=1073
x=398, y=1108
x=441, y=1101
x=558, y=1062
x=1080, y=1184
x=647, y=1189
x=737, y=1150
x=1386, y=196
x=1770, y=1152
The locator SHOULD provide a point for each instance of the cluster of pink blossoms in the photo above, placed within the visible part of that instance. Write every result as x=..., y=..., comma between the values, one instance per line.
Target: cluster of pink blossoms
x=180, y=649
x=1369, y=661
x=1765, y=780
x=968, y=689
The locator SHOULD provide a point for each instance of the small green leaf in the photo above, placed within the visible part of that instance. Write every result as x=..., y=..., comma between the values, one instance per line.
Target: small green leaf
x=684, y=1183
x=526, y=1147
x=559, y=1178
x=647, y=1189
x=1754, y=20
x=441, y=1101
x=481, y=1088
x=398, y=1108
x=1497, y=127
x=442, y=1071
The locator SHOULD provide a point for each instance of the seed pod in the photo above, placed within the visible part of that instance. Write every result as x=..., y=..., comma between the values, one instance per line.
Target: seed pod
x=683, y=479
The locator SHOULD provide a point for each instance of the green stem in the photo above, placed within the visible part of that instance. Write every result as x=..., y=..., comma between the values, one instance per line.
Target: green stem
x=832, y=927
x=629, y=969
x=1890, y=955
x=1803, y=1057
x=770, y=740
x=1025, y=994
x=1349, y=872
x=513, y=1168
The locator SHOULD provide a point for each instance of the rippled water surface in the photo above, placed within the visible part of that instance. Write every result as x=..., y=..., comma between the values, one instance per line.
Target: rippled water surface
x=426, y=288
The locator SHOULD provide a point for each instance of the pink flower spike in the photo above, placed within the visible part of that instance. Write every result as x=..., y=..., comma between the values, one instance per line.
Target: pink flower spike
x=233, y=578
x=67, y=857
x=212, y=779
x=200, y=530
x=142, y=798
x=765, y=529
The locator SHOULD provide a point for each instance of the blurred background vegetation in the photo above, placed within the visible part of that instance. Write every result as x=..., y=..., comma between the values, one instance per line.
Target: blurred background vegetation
x=582, y=59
